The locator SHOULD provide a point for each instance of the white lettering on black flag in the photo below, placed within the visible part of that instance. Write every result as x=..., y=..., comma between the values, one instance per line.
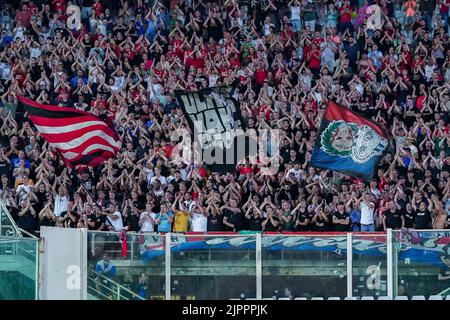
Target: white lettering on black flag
x=215, y=120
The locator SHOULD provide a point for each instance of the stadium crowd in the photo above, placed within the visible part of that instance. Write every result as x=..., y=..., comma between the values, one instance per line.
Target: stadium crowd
x=284, y=58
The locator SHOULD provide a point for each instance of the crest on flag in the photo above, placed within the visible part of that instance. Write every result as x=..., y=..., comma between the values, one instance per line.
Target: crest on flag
x=350, y=140
x=348, y=143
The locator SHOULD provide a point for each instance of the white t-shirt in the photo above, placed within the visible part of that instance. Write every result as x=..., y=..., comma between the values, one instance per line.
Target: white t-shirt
x=367, y=213
x=23, y=192
x=35, y=53
x=295, y=13
x=156, y=89
x=118, y=223
x=147, y=226
x=212, y=79
x=119, y=83
x=160, y=178
x=376, y=193
x=199, y=223
x=150, y=174
x=429, y=71
x=297, y=173
x=60, y=205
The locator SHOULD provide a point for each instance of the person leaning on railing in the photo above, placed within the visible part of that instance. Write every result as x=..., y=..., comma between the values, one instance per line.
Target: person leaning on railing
x=105, y=268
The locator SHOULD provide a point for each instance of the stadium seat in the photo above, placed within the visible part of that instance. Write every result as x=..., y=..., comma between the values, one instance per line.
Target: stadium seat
x=367, y=298
x=384, y=298
x=284, y=298
x=334, y=298
x=447, y=298
x=350, y=298
x=418, y=298
x=300, y=298
x=401, y=298
x=435, y=297
x=317, y=298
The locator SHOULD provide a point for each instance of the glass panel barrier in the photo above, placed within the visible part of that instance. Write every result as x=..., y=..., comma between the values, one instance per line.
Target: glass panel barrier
x=18, y=268
x=212, y=267
x=8, y=228
x=139, y=266
x=369, y=264
x=309, y=265
x=420, y=257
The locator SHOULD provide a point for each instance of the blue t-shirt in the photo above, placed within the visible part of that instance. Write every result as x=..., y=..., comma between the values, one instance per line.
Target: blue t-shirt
x=355, y=216
x=74, y=81
x=106, y=269
x=16, y=163
x=164, y=224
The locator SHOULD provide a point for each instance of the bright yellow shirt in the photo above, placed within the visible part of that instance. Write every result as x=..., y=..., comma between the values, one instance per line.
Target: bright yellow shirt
x=181, y=222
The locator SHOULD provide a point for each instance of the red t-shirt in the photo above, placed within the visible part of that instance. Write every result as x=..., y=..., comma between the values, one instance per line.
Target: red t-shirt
x=198, y=63
x=443, y=9
x=345, y=17
x=245, y=170
x=306, y=50
x=59, y=5
x=177, y=44
x=98, y=8
x=260, y=76
x=318, y=41
x=313, y=61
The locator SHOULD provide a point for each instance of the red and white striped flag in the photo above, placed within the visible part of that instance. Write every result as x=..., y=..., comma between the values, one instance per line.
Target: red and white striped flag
x=80, y=137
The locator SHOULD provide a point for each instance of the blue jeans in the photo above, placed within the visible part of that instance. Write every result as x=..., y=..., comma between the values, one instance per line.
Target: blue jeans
x=444, y=18
x=296, y=25
x=367, y=228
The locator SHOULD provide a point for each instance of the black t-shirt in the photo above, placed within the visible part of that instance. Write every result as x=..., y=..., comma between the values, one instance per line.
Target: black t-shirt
x=256, y=223
x=302, y=217
x=140, y=203
x=99, y=220
x=423, y=219
x=238, y=220
x=47, y=222
x=340, y=216
x=320, y=224
x=393, y=219
x=270, y=227
x=4, y=167
x=215, y=223
x=42, y=198
x=27, y=222
x=71, y=223
x=410, y=218
x=445, y=272
x=132, y=221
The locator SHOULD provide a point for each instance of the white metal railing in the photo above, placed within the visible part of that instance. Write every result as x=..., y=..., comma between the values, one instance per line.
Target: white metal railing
x=27, y=233
x=9, y=229
x=106, y=289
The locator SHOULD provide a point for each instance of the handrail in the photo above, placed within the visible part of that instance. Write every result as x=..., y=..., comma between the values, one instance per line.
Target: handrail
x=28, y=233
x=445, y=292
x=11, y=220
x=121, y=287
